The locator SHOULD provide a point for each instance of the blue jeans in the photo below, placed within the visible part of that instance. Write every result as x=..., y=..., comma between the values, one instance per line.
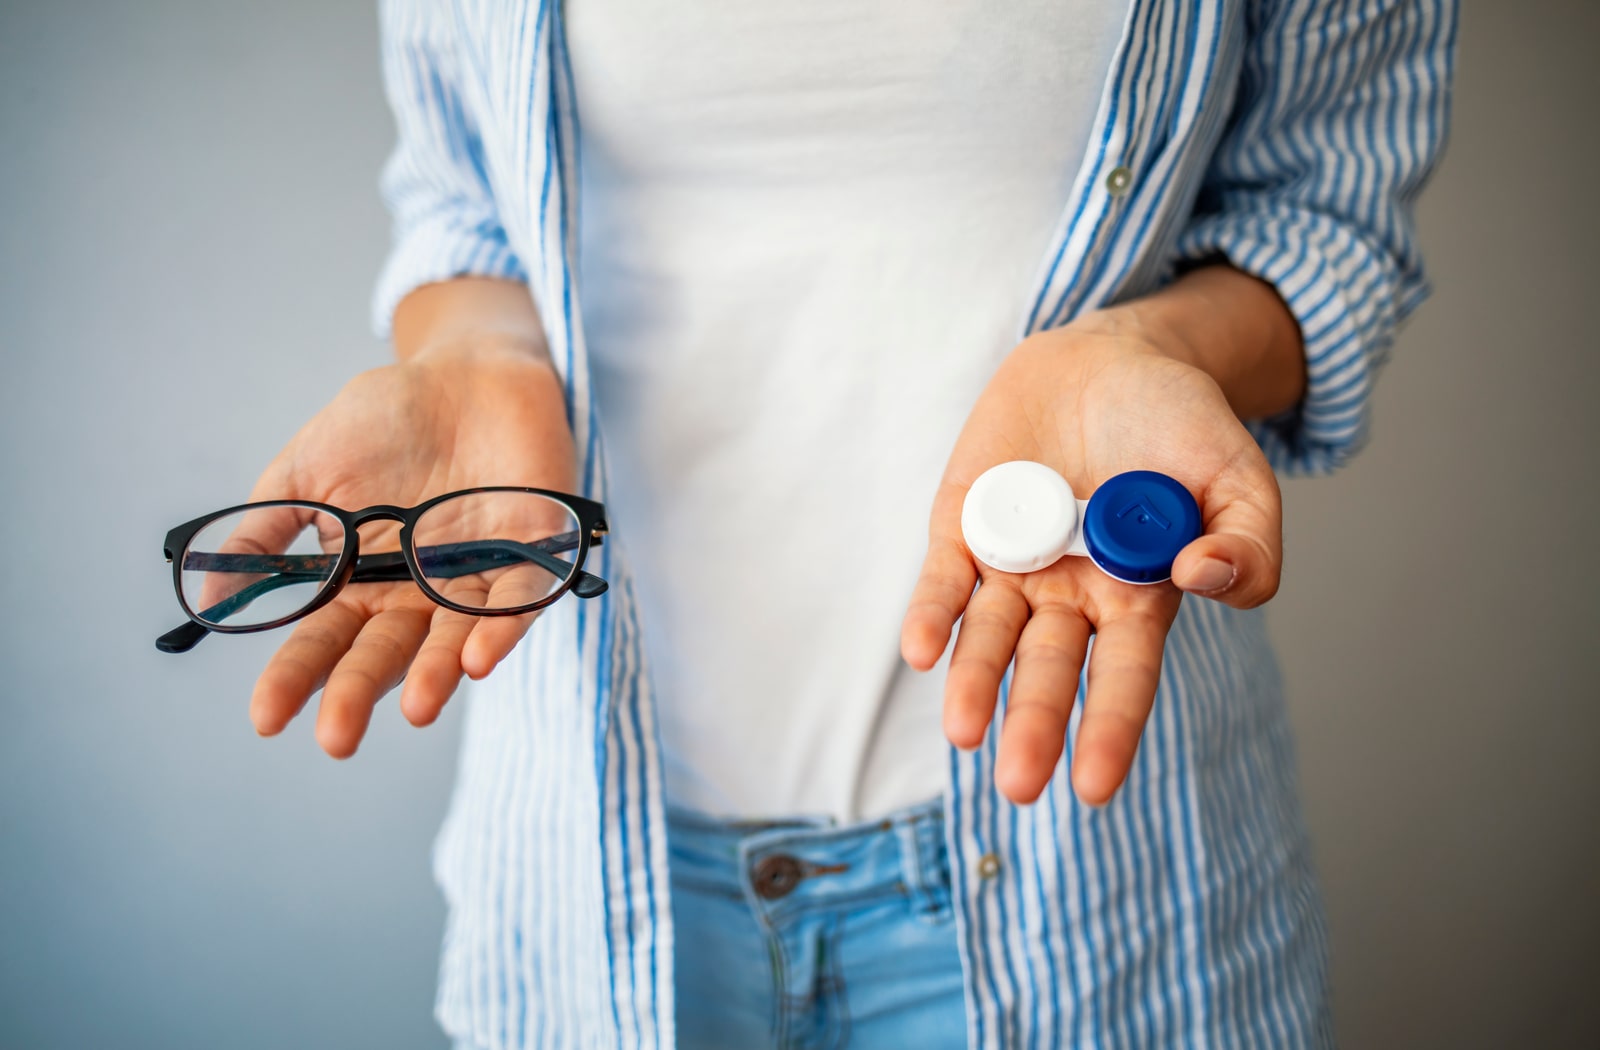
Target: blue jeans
x=801, y=934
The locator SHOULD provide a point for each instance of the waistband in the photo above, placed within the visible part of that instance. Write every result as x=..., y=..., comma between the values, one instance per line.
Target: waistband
x=781, y=867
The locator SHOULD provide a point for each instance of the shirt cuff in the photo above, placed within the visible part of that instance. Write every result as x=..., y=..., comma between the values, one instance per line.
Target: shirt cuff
x=1348, y=298
x=437, y=248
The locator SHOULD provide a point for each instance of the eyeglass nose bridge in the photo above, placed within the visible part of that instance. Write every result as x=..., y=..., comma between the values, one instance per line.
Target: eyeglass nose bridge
x=382, y=512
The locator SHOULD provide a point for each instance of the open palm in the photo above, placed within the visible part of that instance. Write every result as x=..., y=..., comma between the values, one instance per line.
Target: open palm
x=1090, y=403
x=399, y=435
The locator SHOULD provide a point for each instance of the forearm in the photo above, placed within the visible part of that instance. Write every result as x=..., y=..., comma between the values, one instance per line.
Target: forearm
x=1231, y=326
x=469, y=311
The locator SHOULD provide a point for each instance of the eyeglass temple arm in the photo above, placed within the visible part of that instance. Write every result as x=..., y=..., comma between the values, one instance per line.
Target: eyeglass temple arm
x=183, y=638
x=450, y=560
x=446, y=561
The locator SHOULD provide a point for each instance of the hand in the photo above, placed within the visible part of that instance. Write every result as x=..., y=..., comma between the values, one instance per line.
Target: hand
x=485, y=412
x=1091, y=400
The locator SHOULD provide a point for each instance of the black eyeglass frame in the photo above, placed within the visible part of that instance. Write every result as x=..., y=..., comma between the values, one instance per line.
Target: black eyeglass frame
x=384, y=566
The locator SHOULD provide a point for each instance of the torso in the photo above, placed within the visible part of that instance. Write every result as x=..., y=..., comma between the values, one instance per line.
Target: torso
x=807, y=235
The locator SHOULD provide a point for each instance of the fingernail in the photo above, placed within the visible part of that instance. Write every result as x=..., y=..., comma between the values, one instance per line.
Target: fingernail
x=1213, y=574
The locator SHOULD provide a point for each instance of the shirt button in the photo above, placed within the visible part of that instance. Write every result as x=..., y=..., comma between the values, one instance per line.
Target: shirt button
x=988, y=865
x=1119, y=181
x=776, y=876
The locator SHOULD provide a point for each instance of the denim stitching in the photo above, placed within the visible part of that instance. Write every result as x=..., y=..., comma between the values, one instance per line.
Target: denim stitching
x=780, y=988
x=839, y=1014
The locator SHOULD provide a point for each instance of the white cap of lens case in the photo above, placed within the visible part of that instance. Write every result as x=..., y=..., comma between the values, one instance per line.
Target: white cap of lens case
x=1022, y=516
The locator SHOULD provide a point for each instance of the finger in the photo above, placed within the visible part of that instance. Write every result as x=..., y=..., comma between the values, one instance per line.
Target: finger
x=984, y=647
x=262, y=530
x=493, y=638
x=1239, y=560
x=376, y=662
x=944, y=586
x=1049, y=660
x=1124, y=669
x=436, y=671
x=301, y=665
x=274, y=480
x=938, y=600
x=522, y=584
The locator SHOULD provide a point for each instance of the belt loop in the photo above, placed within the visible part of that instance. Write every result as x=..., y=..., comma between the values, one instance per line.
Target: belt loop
x=921, y=842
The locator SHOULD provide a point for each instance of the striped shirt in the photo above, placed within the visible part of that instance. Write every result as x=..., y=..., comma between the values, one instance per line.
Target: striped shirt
x=1288, y=136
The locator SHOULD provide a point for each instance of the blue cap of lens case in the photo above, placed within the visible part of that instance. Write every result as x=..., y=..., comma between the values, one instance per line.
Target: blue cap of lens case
x=1136, y=523
x=1022, y=516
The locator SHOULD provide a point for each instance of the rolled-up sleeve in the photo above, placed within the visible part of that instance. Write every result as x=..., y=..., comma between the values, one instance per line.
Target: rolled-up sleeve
x=1341, y=115
x=435, y=183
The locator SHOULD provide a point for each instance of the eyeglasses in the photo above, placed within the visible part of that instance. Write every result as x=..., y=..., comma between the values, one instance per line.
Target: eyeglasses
x=483, y=552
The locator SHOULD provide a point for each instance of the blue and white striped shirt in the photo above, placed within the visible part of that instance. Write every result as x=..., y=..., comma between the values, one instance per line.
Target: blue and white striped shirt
x=1289, y=136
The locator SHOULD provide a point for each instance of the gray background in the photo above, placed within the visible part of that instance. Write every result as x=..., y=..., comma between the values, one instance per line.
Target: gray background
x=189, y=233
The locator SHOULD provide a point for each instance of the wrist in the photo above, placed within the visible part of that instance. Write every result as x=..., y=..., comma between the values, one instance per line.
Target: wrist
x=486, y=348
x=1094, y=339
x=469, y=317
x=1224, y=322
x=1144, y=324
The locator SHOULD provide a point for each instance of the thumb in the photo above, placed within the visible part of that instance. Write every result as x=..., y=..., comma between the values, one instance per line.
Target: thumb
x=1239, y=559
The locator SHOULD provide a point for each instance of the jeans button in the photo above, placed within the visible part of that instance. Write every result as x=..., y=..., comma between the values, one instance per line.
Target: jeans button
x=776, y=876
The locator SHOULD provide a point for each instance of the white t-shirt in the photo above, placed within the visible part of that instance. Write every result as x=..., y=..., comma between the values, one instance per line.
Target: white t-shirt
x=807, y=232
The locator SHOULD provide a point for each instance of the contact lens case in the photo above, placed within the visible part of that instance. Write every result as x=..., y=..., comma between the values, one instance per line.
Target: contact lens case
x=1022, y=516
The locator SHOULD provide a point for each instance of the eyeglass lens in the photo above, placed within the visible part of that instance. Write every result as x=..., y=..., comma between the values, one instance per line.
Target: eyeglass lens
x=261, y=564
x=496, y=550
